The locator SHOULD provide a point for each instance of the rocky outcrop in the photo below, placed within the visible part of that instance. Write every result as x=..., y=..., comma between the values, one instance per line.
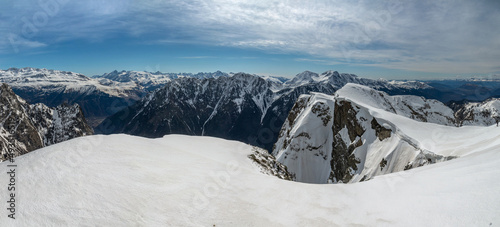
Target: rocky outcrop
x=268, y=164
x=347, y=138
x=26, y=127
x=343, y=162
x=60, y=123
x=380, y=131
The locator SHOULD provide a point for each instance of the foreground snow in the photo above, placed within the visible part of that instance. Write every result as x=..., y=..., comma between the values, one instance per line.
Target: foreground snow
x=189, y=181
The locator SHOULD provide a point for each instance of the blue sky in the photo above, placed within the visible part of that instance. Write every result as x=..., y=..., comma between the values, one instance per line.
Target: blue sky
x=378, y=39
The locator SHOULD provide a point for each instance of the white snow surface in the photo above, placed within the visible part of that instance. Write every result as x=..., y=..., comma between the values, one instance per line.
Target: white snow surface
x=123, y=180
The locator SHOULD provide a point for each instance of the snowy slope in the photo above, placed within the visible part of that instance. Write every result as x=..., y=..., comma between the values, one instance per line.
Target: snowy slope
x=123, y=180
x=360, y=133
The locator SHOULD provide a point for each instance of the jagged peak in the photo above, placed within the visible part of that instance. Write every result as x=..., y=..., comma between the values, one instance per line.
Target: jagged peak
x=331, y=73
x=306, y=75
x=303, y=78
x=333, y=77
x=243, y=75
x=6, y=90
x=5, y=86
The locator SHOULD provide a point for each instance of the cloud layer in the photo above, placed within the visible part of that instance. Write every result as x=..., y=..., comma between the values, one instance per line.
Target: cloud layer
x=447, y=36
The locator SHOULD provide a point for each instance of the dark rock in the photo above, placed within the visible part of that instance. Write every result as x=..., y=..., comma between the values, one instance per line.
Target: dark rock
x=380, y=131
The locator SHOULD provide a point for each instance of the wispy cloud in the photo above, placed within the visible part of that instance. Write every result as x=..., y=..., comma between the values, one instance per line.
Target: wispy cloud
x=448, y=36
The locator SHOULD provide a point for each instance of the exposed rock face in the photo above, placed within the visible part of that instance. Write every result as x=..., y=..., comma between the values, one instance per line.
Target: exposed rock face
x=18, y=131
x=343, y=161
x=225, y=107
x=381, y=132
x=59, y=124
x=26, y=127
x=345, y=117
x=354, y=145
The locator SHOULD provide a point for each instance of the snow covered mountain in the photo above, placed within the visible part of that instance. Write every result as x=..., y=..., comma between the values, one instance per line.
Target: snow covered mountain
x=360, y=133
x=241, y=107
x=479, y=113
x=60, y=81
x=97, y=98
x=26, y=127
x=123, y=180
x=227, y=107
x=333, y=78
x=151, y=81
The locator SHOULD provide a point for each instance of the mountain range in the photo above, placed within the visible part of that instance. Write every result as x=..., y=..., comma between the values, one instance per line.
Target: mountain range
x=237, y=106
x=98, y=96
x=103, y=95
x=241, y=107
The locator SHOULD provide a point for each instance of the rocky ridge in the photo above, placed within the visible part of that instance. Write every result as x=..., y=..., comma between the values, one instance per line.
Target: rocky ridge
x=26, y=127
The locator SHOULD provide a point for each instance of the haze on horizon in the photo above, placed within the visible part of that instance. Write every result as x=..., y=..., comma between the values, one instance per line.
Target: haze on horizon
x=382, y=39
